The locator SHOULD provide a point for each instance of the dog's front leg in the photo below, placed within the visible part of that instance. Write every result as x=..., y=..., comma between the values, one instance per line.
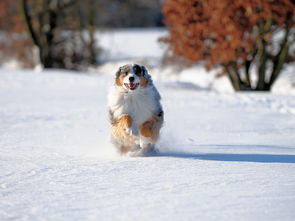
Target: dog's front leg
x=132, y=130
x=146, y=134
x=121, y=126
x=125, y=126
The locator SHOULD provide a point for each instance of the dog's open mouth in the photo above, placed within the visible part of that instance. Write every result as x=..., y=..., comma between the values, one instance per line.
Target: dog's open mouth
x=131, y=86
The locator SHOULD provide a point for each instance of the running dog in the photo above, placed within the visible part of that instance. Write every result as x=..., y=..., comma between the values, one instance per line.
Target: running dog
x=136, y=113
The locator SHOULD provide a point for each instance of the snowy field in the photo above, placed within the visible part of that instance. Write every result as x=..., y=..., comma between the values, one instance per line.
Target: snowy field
x=221, y=156
x=130, y=43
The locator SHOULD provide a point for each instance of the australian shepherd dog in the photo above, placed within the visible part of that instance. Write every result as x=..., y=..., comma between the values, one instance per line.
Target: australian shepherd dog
x=136, y=113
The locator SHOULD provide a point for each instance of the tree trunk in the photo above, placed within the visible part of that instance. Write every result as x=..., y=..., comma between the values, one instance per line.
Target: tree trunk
x=91, y=29
x=263, y=56
x=28, y=23
x=233, y=77
x=43, y=37
x=262, y=59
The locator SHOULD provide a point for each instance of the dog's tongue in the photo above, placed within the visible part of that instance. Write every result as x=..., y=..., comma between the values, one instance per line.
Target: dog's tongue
x=132, y=86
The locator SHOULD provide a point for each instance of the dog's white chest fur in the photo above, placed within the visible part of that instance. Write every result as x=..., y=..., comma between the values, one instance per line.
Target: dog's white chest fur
x=140, y=104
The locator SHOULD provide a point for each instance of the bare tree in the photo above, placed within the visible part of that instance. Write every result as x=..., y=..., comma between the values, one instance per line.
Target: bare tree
x=53, y=28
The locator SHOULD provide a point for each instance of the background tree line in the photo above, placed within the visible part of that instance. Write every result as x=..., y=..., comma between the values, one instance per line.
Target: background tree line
x=61, y=33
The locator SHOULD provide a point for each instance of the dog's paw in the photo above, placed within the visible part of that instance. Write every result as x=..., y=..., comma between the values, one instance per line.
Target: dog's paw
x=132, y=131
x=142, y=152
x=145, y=142
x=128, y=131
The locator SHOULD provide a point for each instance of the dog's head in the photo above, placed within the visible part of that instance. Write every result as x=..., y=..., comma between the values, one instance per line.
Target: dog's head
x=132, y=76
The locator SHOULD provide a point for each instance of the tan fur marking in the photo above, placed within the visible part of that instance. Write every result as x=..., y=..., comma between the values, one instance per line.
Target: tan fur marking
x=126, y=68
x=151, y=128
x=120, y=80
x=118, y=128
x=124, y=149
x=125, y=120
x=146, y=129
x=143, y=82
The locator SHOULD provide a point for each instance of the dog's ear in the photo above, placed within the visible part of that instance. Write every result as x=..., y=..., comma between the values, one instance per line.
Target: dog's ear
x=144, y=71
x=146, y=75
x=137, y=69
x=118, y=72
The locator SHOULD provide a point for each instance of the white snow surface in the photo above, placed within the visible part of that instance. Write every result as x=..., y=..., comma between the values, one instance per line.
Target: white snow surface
x=221, y=156
x=129, y=43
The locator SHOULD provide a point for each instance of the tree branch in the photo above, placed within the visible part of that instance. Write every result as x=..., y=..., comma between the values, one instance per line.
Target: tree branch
x=280, y=58
x=28, y=22
x=262, y=56
x=232, y=77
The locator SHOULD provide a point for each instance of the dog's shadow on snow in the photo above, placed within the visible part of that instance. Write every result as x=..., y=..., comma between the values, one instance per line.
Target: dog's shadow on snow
x=257, y=158
x=233, y=157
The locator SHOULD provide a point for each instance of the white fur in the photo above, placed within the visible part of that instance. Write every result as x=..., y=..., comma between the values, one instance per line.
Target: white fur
x=145, y=142
x=140, y=104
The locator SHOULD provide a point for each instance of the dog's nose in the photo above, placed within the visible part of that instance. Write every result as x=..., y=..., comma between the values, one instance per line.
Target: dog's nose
x=131, y=79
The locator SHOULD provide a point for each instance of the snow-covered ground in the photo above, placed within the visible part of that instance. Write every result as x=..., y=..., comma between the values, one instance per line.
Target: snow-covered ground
x=118, y=44
x=222, y=156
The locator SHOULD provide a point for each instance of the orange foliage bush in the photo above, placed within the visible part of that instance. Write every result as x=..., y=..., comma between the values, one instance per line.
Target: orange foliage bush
x=234, y=34
x=14, y=42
